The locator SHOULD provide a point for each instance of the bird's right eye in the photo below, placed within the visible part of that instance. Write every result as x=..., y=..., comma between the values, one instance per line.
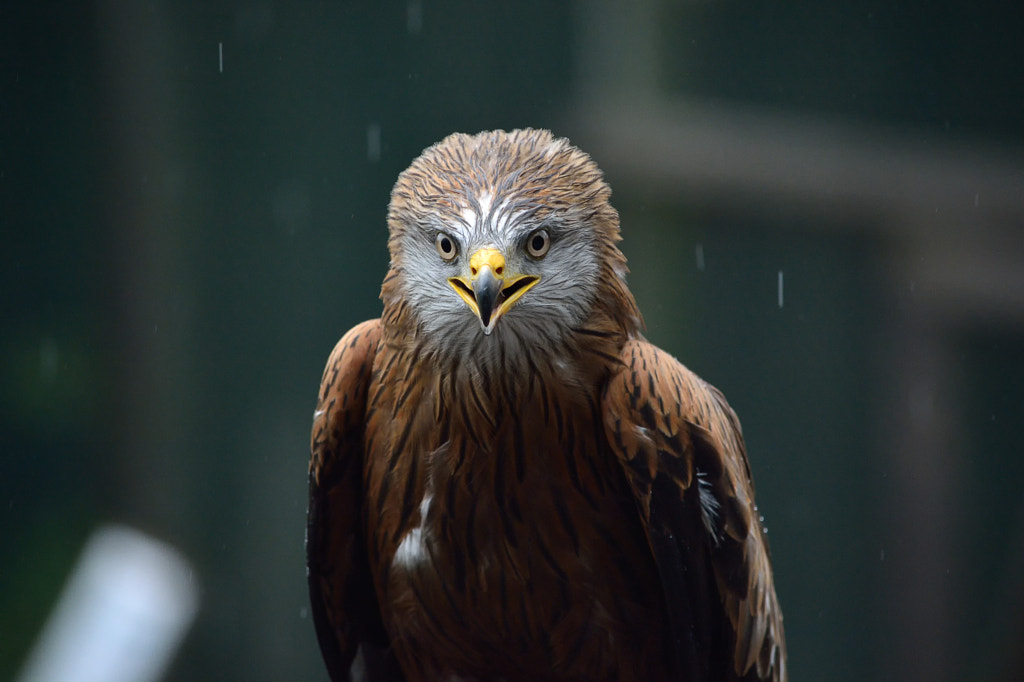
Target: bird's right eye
x=446, y=247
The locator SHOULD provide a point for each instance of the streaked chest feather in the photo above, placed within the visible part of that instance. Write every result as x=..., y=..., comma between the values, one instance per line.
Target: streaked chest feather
x=510, y=517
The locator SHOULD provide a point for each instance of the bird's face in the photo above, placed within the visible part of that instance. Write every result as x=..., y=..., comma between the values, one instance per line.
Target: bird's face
x=501, y=243
x=496, y=272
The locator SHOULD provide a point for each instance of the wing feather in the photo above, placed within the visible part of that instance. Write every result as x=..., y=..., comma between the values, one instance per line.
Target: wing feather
x=682, y=450
x=345, y=610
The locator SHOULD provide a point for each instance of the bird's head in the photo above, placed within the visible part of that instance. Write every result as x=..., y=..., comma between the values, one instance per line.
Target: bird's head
x=500, y=240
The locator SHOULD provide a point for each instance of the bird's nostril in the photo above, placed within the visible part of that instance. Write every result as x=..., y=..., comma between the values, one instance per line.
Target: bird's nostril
x=472, y=271
x=499, y=271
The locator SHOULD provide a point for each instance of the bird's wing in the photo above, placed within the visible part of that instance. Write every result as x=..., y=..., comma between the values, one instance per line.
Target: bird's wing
x=682, y=450
x=341, y=592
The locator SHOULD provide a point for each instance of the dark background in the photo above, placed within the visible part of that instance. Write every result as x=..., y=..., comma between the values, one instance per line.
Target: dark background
x=182, y=245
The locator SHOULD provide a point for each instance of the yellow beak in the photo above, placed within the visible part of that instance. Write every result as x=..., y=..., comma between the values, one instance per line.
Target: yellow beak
x=490, y=290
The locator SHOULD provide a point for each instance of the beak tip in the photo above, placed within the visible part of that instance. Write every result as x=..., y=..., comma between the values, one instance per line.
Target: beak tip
x=487, y=291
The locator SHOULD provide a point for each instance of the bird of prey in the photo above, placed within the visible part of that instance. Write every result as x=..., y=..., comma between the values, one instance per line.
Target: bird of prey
x=507, y=481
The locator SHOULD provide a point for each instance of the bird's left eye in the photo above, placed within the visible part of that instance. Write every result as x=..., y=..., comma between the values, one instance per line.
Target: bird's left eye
x=446, y=247
x=538, y=243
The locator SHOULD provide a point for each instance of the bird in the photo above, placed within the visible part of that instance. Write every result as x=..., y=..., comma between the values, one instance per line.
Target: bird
x=507, y=480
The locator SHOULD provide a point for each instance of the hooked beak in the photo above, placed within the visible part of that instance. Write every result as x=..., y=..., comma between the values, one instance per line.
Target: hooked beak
x=490, y=290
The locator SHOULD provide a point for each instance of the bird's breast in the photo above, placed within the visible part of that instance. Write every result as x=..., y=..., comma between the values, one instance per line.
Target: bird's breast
x=510, y=542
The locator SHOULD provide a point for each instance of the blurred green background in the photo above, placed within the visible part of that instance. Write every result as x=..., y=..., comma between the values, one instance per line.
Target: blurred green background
x=823, y=207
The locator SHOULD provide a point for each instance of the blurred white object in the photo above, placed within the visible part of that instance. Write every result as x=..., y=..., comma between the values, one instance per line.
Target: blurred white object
x=121, y=616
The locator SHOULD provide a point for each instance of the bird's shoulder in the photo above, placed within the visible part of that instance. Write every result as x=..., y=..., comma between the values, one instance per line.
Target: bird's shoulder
x=655, y=396
x=341, y=403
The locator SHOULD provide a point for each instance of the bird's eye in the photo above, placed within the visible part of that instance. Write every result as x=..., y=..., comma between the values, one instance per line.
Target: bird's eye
x=446, y=247
x=538, y=243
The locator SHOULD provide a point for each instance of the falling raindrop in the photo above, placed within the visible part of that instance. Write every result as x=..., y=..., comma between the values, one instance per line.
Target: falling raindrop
x=373, y=142
x=700, y=257
x=780, y=288
x=414, y=17
x=291, y=206
x=48, y=359
x=220, y=57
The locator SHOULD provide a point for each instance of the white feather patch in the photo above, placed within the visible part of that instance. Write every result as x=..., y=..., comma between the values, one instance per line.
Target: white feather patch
x=709, y=505
x=412, y=550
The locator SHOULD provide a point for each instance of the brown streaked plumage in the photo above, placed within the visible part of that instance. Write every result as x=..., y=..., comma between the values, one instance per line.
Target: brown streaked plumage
x=507, y=482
